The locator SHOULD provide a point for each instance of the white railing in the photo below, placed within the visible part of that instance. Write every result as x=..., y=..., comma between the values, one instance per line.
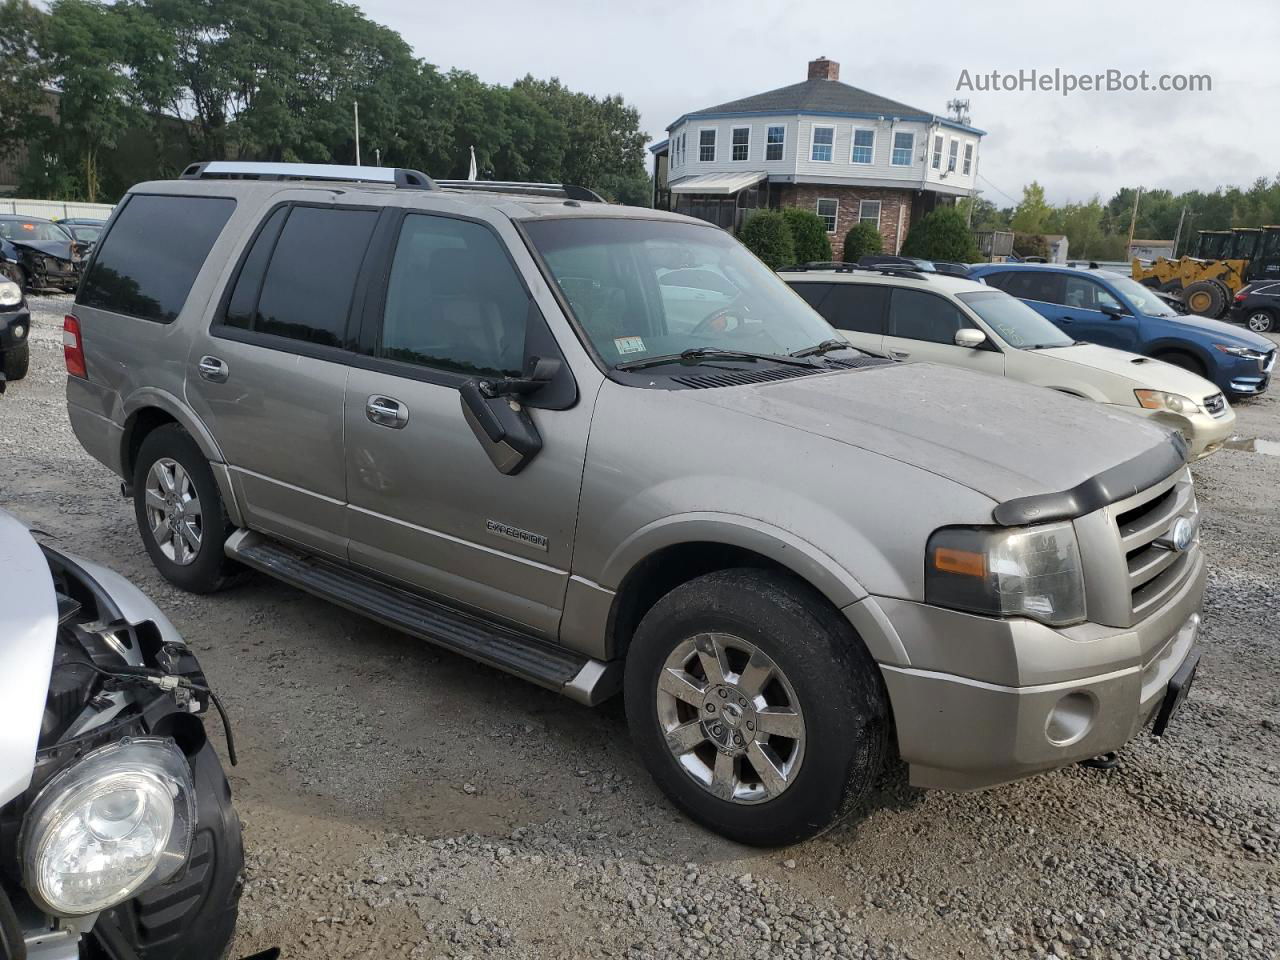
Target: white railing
x=55, y=209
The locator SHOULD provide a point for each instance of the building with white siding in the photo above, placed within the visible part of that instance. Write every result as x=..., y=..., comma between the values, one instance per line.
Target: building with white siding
x=847, y=154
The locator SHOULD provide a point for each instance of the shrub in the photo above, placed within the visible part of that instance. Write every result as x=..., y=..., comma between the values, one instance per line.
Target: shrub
x=767, y=235
x=809, y=235
x=1030, y=245
x=941, y=235
x=863, y=240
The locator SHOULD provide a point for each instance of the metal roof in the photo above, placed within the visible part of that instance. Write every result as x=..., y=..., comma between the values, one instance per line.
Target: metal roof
x=722, y=184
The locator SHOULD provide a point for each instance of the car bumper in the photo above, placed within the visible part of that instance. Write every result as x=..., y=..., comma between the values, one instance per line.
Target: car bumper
x=1204, y=434
x=1048, y=698
x=15, y=327
x=1246, y=378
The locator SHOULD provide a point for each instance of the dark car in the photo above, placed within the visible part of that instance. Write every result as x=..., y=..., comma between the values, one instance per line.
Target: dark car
x=1257, y=306
x=85, y=230
x=15, y=326
x=1115, y=311
x=37, y=253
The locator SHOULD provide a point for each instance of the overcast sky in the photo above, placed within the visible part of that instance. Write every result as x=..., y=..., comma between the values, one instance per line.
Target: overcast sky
x=672, y=58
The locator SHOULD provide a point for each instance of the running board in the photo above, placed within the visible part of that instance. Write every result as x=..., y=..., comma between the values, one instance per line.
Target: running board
x=531, y=658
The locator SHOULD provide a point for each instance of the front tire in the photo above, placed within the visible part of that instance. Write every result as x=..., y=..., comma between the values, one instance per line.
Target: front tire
x=1262, y=321
x=1186, y=362
x=180, y=512
x=755, y=706
x=17, y=361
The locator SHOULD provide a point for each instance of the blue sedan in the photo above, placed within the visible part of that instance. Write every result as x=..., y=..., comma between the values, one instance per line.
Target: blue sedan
x=1106, y=308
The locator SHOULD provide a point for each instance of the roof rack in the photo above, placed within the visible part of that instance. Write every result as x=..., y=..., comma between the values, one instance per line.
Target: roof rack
x=836, y=266
x=399, y=177
x=566, y=191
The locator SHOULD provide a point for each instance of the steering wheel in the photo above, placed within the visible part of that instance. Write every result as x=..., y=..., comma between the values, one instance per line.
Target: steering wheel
x=726, y=319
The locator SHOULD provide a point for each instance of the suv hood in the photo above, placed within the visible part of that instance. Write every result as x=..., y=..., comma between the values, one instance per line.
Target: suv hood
x=1001, y=438
x=28, y=632
x=1143, y=371
x=1222, y=332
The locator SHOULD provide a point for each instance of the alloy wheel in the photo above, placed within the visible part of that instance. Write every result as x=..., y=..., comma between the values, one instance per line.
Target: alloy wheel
x=1260, y=322
x=173, y=511
x=731, y=718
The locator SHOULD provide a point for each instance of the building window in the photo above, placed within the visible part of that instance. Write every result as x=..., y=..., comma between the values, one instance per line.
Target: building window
x=706, y=145
x=827, y=210
x=741, y=143
x=777, y=138
x=903, y=146
x=824, y=139
x=937, y=153
x=864, y=144
x=869, y=212
x=951, y=156
x=968, y=158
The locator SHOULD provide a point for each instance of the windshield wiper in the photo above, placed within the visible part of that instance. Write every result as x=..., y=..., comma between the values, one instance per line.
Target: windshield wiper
x=696, y=354
x=826, y=346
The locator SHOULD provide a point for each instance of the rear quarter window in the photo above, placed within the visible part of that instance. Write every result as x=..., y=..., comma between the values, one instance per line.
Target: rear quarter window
x=150, y=257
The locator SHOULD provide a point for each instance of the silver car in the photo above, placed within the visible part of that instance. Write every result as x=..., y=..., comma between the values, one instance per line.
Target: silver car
x=499, y=417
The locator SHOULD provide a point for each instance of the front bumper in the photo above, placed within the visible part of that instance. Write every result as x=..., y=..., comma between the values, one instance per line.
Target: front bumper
x=1204, y=433
x=1046, y=697
x=1247, y=378
x=15, y=326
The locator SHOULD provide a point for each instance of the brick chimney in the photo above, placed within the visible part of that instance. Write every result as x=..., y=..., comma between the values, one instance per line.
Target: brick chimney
x=824, y=69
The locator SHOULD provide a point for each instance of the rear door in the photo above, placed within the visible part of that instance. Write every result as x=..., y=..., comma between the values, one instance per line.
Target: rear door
x=427, y=507
x=857, y=310
x=923, y=326
x=269, y=376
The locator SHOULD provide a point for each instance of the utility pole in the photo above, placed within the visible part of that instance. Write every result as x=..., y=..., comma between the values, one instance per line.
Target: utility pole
x=1133, y=221
x=1178, y=233
x=356, y=105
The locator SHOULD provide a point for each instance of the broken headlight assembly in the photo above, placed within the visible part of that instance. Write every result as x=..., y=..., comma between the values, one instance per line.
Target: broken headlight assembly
x=1031, y=572
x=114, y=823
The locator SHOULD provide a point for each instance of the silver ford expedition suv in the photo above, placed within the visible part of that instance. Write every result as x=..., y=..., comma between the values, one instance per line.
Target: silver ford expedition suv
x=607, y=450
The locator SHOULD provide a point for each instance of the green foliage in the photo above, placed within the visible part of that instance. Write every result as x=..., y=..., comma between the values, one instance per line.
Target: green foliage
x=808, y=235
x=1032, y=214
x=941, y=235
x=767, y=235
x=1032, y=245
x=22, y=73
x=278, y=80
x=863, y=240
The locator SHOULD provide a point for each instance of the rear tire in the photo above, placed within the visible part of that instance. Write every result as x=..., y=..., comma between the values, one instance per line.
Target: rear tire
x=834, y=706
x=1186, y=362
x=1261, y=320
x=185, y=542
x=17, y=361
x=1207, y=298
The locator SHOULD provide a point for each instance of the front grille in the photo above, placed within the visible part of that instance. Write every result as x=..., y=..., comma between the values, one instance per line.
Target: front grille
x=1216, y=405
x=1268, y=361
x=1155, y=571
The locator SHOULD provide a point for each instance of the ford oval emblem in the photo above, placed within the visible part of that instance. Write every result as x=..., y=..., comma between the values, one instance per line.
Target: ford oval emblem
x=1182, y=534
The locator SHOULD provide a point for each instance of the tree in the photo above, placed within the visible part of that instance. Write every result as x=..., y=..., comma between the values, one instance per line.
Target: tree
x=808, y=235
x=941, y=235
x=1032, y=213
x=767, y=235
x=1032, y=245
x=23, y=74
x=863, y=240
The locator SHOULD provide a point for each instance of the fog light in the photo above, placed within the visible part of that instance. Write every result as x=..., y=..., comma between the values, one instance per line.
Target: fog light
x=19, y=332
x=1070, y=718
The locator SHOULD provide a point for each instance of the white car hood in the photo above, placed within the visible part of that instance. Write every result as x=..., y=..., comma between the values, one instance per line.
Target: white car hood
x=28, y=633
x=1145, y=372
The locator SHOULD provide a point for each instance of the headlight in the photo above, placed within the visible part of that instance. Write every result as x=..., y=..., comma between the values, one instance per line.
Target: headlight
x=1007, y=572
x=10, y=294
x=1245, y=352
x=1159, y=400
x=115, y=823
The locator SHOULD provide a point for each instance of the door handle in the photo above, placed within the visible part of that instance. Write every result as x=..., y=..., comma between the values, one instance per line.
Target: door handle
x=899, y=354
x=386, y=412
x=1064, y=319
x=213, y=370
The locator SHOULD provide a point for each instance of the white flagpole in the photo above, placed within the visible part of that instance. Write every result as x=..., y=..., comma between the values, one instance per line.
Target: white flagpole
x=471, y=175
x=356, y=105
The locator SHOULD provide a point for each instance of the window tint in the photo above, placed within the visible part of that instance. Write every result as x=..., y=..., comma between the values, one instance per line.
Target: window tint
x=1085, y=294
x=150, y=258
x=857, y=307
x=454, y=300
x=813, y=293
x=244, y=298
x=922, y=316
x=1028, y=285
x=306, y=294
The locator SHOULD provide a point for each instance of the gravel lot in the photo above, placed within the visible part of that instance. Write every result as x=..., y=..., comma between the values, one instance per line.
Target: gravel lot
x=403, y=802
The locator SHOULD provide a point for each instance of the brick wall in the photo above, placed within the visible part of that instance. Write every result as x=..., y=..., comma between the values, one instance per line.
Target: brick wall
x=892, y=204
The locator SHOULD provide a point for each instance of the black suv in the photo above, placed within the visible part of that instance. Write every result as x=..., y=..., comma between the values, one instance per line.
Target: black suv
x=1257, y=306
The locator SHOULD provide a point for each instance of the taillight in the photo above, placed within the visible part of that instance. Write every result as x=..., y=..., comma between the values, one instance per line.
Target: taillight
x=72, y=348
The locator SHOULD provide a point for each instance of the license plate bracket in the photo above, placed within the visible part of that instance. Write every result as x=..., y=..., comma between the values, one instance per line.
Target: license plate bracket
x=1176, y=692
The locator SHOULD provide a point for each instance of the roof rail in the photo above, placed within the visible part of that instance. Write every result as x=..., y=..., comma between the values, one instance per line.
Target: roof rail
x=248, y=170
x=567, y=191
x=835, y=266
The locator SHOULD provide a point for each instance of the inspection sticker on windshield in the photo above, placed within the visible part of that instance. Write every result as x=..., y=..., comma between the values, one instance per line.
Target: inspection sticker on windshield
x=625, y=345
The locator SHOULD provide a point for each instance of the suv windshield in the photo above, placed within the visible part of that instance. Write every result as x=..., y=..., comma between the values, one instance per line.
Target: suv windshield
x=1018, y=325
x=1143, y=299
x=649, y=288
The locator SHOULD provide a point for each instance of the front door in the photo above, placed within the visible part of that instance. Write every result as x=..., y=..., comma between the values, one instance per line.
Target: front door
x=923, y=326
x=426, y=505
x=1090, y=312
x=269, y=378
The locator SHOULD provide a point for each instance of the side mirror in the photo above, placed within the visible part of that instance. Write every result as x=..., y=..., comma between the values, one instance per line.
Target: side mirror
x=970, y=337
x=1112, y=311
x=496, y=413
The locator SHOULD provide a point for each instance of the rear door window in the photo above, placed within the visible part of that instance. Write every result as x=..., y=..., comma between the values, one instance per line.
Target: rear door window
x=306, y=290
x=857, y=307
x=1029, y=285
x=150, y=257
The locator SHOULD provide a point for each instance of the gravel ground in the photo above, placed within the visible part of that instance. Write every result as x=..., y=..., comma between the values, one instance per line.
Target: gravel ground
x=403, y=802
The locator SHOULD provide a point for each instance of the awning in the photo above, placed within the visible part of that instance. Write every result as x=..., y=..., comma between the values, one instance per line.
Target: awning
x=719, y=184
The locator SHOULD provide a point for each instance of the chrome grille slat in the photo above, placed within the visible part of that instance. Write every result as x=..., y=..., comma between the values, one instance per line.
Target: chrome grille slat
x=1149, y=564
x=1153, y=593
x=1148, y=526
x=1153, y=572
